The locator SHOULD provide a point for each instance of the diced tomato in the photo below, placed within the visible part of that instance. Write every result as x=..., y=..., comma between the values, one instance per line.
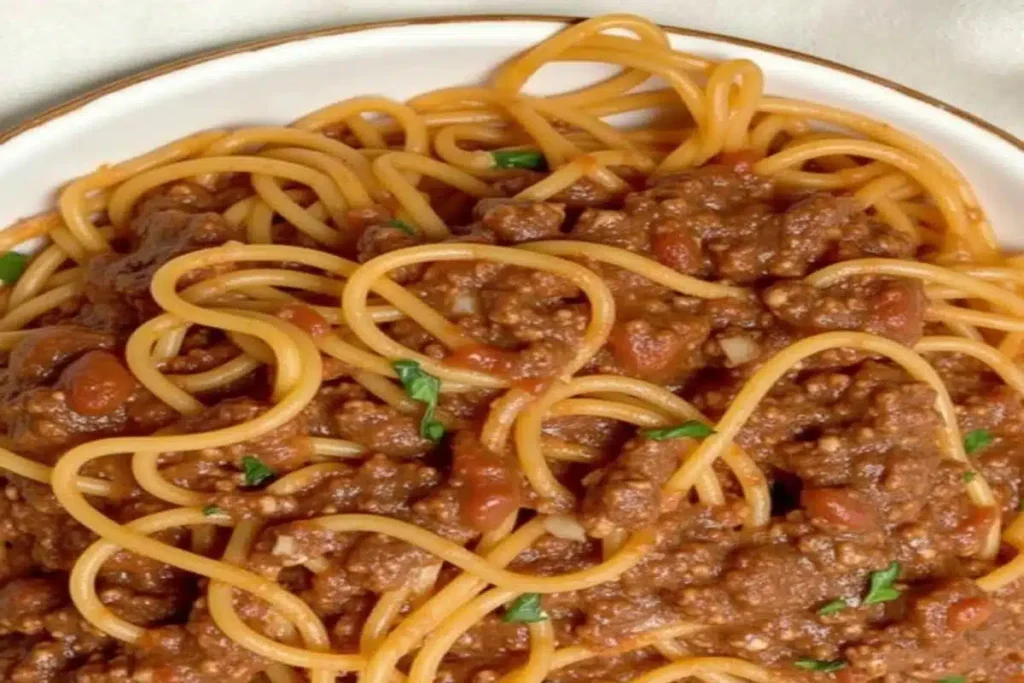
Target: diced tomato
x=489, y=483
x=645, y=351
x=678, y=250
x=305, y=318
x=482, y=358
x=969, y=613
x=97, y=384
x=978, y=523
x=841, y=507
x=498, y=362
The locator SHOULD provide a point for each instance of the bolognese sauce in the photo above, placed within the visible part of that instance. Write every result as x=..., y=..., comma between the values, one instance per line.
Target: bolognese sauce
x=839, y=535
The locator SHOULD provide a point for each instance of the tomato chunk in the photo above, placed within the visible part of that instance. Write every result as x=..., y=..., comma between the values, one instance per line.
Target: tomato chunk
x=483, y=358
x=489, y=483
x=678, y=250
x=840, y=507
x=97, y=383
x=646, y=351
x=969, y=613
x=305, y=318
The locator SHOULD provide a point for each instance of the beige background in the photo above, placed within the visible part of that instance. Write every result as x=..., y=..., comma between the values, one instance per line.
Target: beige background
x=969, y=53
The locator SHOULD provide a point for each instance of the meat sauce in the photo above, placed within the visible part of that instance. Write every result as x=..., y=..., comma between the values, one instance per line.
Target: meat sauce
x=503, y=363
x=848, y=443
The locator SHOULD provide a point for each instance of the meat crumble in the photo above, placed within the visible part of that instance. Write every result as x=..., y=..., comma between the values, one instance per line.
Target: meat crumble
x=849, y=444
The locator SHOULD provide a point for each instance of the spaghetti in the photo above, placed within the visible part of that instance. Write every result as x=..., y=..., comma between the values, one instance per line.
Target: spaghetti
x=677, y=383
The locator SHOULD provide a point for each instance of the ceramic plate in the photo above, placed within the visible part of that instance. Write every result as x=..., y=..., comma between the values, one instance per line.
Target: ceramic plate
x=278, y=80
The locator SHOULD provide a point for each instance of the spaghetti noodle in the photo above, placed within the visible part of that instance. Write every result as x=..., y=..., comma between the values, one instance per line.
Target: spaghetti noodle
x=483, y=385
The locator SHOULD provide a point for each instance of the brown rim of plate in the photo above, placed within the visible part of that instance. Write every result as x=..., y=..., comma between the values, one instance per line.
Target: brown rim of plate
x=119, y=84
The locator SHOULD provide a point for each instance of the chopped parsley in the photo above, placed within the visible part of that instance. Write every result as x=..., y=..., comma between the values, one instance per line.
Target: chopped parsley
x=211, y=510
x=953, y=679
x=433, y=430
x=401, y=225
x=691, y=428
x=823, y=666
x=12, y=265
x=520, y=158
x=969, y=476
x=881, y=589
x=526, y=609
x=834, y=607
x=255, y=471
x=425, y=388
x=977, y=439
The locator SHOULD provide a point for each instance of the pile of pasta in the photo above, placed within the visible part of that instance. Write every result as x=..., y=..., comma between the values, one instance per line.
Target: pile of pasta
x=305, y=175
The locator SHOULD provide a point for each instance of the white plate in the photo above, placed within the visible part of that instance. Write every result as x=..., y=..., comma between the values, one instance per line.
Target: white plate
x=276, y=81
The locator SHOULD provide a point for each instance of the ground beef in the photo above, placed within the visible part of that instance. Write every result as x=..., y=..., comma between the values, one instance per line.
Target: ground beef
x=199, y=357
x=627, y=494
x=222, y=469
x=24, y=603
x=603, y=437
x=198, y=652
x=513, y=221
x=42, y=418
x=381, y=429
x=357, y=563
x=579, y=195
x=117, y=284
x=381, y=238
x=39, y=357
x=891, y=308
x=720, y=223
x=505, y=308
x=952, y=626
x=847, y=441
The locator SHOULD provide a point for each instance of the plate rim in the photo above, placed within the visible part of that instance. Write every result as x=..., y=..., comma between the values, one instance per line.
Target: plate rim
x=67, y=106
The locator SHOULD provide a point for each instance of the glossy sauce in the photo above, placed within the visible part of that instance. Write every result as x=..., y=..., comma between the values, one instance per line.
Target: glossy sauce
x=306, y=319
x=498, y=362
x=489, y=483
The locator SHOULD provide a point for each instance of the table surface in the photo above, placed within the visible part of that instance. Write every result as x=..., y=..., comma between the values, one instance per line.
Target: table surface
x=969, y=53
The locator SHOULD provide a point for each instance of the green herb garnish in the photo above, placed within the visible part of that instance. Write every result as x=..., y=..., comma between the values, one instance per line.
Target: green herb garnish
x=969, y=476
x=425, y=388
x=12, y=265
x=520, y=158
x=881, y=585
x=977, y=439
x=820, y=665
x=211, y=510
x=691, y=428
x=401, y=225
x=834, y=607
x=433, y=430
x=526, y=609
x=255, y=471
x=953, y=679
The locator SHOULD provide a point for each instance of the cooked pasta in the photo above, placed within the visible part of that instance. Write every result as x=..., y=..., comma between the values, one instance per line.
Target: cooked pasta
x=480, y=386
